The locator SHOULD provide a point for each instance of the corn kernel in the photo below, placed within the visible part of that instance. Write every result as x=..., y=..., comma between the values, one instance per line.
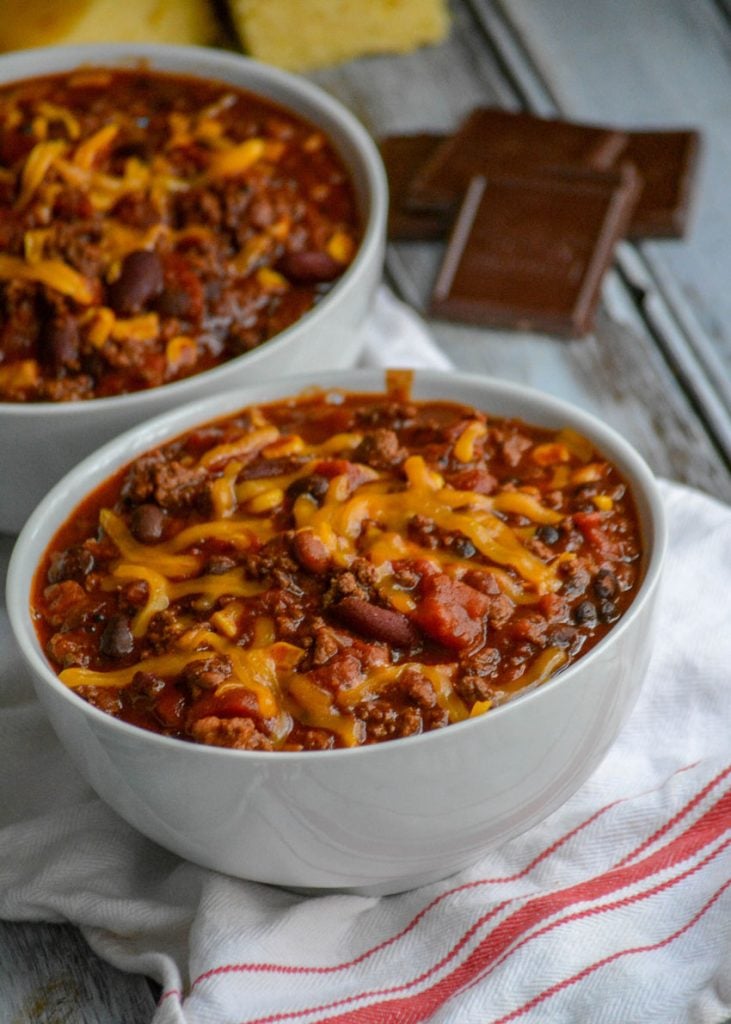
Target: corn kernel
x=341, y=247
x=270, y=280
x=181, y=351
x=603, y=502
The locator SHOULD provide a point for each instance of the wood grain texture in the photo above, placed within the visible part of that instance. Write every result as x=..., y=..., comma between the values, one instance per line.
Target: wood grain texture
x=48, y=975
x=622, y=372
x=659, y=63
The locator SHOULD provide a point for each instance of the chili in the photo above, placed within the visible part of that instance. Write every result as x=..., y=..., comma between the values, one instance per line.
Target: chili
x=153, y=226
x=336, y=570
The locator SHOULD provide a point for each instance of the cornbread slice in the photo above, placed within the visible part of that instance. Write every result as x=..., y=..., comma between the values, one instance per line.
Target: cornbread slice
x=26, y=23
x=305, y=34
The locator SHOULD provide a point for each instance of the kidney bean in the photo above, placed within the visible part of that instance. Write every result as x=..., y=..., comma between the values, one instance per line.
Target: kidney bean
x=310, y=552
x=147, y=523
x=140, y=280
x=375, y=622
x=309, y=267
x=61, y=340
x=117, y=641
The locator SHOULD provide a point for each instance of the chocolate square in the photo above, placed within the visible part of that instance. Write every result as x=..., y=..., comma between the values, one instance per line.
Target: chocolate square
x=502, y=143
x=530, y=253
x=403, y=156
x=667, y=162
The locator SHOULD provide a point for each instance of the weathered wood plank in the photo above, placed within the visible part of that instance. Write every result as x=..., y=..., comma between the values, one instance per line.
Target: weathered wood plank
x=620, y=372
x=594, y=63
x=48, y=975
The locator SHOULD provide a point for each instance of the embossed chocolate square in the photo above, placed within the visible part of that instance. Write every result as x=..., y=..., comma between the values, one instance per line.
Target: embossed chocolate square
x=531, y=253
x=503, y=143
x=403, y=156
x=667, y=161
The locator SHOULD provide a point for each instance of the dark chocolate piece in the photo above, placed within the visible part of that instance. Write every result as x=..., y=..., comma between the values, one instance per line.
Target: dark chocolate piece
x=667, y=162
x=403, y=156
x=501, y=143
x=531, y=253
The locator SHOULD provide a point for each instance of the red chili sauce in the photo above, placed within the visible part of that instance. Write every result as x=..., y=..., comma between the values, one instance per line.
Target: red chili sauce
x=337, y=570
x=153, y=226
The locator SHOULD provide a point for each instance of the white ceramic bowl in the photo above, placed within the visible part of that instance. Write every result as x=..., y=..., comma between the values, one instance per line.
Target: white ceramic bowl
x=372, y=819
x=39, y=442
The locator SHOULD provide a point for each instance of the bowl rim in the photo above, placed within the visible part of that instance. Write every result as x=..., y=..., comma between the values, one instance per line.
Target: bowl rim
x=365, y=159
x=52, y=512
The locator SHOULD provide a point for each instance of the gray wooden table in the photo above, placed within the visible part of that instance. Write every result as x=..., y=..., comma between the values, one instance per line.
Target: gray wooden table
x=659, y=365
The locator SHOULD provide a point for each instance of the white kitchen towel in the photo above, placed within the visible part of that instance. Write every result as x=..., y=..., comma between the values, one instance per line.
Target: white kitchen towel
x=615, y=909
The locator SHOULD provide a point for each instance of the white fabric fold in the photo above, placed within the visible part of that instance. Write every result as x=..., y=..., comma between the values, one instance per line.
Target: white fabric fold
x=616, y=908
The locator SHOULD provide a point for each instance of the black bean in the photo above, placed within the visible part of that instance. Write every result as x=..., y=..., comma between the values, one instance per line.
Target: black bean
x=309, y=267
x=608, y=611
x=315, y=485
x=548, y=534
x=585, y=614
x=117, y=641
x=140, y=280
x=605, y=584
x=562, y=635
x=463, y=546
x=147, y=523
x=72, y=564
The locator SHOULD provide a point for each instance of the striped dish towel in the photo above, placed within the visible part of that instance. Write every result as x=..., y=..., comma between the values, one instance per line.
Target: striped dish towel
x=615, y=909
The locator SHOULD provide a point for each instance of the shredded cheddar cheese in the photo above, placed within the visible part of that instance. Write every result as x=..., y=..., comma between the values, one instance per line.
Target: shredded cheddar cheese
x=303, y=583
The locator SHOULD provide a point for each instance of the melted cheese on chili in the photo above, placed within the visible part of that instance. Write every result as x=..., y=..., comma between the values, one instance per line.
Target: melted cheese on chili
x=365, y=510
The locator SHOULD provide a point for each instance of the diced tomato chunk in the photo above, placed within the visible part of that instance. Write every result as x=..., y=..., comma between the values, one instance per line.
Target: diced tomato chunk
x=170, y=706
x=451, y=612
x=233, y=704
x=590, y=524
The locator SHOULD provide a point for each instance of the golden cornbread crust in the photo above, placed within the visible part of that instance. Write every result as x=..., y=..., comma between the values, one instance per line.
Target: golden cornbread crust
x=329, y=31
x=28, y=23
